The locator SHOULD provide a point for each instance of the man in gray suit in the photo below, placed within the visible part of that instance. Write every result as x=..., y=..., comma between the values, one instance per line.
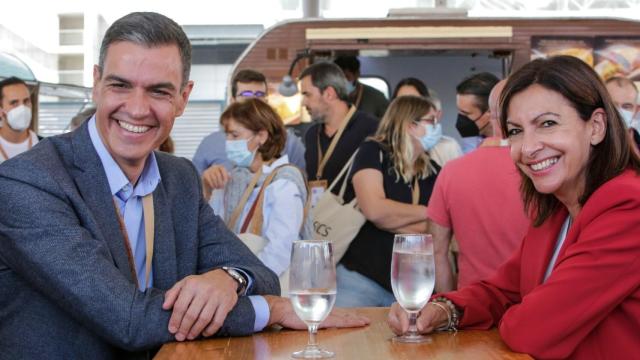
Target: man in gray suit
x=107, y=248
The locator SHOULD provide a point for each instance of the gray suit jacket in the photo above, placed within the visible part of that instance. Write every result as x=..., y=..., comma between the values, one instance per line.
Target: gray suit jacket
x=66, y=291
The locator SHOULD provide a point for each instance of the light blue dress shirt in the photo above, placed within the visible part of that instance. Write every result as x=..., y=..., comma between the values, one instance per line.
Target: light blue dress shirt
x=129, y=201
x=128, y=198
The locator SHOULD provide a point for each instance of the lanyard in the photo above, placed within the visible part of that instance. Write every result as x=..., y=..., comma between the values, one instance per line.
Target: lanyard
x=149, y=234
x=4, y=154
x=322, y=159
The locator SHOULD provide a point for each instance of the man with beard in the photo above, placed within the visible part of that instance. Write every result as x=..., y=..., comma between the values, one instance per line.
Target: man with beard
x=339, y=128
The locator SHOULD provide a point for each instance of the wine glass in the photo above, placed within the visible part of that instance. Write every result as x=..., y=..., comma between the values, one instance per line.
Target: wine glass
x=412, y=278
x=312, y=289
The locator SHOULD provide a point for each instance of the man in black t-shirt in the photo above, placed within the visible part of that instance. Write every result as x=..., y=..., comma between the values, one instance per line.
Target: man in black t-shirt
x=338, y=127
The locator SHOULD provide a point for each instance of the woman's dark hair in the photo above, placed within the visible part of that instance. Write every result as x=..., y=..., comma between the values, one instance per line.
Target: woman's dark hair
x=255, y=115
x=416, y=83
x=583, y=89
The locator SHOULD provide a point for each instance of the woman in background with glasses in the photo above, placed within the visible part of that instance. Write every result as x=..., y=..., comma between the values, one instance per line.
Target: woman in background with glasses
x=393, y=178
x=441, y=148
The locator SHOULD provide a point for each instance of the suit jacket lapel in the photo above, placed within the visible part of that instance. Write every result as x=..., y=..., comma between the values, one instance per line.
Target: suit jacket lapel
x=94, y=188
x=164, y=253
x=539, y=250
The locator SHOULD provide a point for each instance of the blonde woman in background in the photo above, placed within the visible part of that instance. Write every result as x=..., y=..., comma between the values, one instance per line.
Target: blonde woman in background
x=441, y=148
x=393, y=178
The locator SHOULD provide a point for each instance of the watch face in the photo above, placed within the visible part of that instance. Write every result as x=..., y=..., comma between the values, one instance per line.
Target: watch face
x=242, y=283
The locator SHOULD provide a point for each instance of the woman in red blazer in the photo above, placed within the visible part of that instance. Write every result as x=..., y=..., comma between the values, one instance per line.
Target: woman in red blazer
x=572, y=290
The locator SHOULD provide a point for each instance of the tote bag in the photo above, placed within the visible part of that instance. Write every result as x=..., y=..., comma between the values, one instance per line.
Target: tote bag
x=334, y=220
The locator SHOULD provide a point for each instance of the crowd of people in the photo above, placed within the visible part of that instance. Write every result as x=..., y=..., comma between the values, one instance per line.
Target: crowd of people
x=105, y=235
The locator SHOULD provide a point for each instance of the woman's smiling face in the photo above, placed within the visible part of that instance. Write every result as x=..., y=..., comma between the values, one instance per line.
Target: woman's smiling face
x=550, y=143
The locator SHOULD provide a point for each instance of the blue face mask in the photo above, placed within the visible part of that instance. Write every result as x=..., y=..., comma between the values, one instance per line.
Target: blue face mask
x=627, y=116
x=350, y=87
x=432, y=136
x=238, y=152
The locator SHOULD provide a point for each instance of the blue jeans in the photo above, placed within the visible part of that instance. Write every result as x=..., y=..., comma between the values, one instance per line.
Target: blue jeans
x=357, y=290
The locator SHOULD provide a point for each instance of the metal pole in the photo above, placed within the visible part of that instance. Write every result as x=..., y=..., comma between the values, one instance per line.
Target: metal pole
x=310, y=8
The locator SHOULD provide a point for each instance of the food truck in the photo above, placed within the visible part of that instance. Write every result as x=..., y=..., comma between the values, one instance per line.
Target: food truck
x=441, y=51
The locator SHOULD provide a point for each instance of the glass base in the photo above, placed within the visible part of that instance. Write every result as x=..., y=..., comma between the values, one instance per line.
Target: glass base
x=313, y=353
x=411, y=339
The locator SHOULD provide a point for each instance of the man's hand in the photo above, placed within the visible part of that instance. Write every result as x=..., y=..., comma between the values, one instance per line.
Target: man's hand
x=215, y=177
x=200, y=301
x=430, y=318
x=281, y=313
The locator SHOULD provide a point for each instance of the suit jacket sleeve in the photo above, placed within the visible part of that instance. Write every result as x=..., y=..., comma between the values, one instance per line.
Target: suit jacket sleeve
x=42, y=240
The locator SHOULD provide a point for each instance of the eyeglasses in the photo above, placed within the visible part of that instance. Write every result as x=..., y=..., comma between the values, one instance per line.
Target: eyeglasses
x=428, y=120
x=249, y=93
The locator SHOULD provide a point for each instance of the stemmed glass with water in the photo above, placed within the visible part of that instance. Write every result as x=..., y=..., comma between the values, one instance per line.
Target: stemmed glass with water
x=312, y=290
x=412, y=278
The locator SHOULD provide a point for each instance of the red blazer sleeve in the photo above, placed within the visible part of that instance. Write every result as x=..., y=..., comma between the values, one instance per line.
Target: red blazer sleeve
x=484, y=303
x=594, y=274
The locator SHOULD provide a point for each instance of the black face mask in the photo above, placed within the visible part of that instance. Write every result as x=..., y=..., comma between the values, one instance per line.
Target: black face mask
x=467, y=127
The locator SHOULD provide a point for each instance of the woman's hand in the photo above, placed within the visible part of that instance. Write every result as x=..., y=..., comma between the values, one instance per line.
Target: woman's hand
x=430, y=318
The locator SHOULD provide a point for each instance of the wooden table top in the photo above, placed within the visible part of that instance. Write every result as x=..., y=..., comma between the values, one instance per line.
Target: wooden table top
x=370, y=342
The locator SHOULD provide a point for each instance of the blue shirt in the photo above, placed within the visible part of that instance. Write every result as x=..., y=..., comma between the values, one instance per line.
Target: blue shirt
x=129, y=201
x=211, y=151
x=128, y=198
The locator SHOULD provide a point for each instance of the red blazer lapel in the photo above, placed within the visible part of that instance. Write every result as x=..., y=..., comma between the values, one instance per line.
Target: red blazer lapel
x=538, y=250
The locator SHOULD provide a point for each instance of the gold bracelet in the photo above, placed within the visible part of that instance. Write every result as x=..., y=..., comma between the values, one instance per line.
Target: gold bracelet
x=441, y=306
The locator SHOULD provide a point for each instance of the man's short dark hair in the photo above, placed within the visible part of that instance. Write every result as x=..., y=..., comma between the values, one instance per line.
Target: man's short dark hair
x=246, y=76
x=148, y=29
x=349, y=63
x=416, y=83
x=480, y=86
x=325, y=74
x=10, y=81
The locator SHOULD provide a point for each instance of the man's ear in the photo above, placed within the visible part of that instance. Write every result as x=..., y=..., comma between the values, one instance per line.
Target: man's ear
x=329, y=93
x=184, y=97
x=598, y=123
x=97, y=75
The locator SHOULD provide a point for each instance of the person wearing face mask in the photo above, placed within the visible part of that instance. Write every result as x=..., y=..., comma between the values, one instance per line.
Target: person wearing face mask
x=15, y=112
x=482, y=208
x=210, y=157
x=364, y=97
x=472, y=96
x=624, y=94
x=265, y=195
x=441, y=148
x=393, y=178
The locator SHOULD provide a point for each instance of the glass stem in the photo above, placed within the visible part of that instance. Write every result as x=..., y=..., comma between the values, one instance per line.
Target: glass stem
x=313, y=330
x=413, y=328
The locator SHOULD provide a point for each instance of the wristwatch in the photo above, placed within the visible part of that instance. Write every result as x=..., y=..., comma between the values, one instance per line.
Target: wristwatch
x=237, y=276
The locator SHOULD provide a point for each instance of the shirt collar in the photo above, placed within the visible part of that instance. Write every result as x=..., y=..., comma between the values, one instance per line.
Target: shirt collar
x=268, y=168
x=118, y=181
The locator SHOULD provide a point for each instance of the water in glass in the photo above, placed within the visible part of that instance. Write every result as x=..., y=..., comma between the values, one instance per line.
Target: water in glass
x=312, y=290
x=412, y=278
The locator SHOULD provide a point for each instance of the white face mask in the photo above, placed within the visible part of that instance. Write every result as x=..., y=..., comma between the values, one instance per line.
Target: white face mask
x=19, y=118
x=627, y=116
